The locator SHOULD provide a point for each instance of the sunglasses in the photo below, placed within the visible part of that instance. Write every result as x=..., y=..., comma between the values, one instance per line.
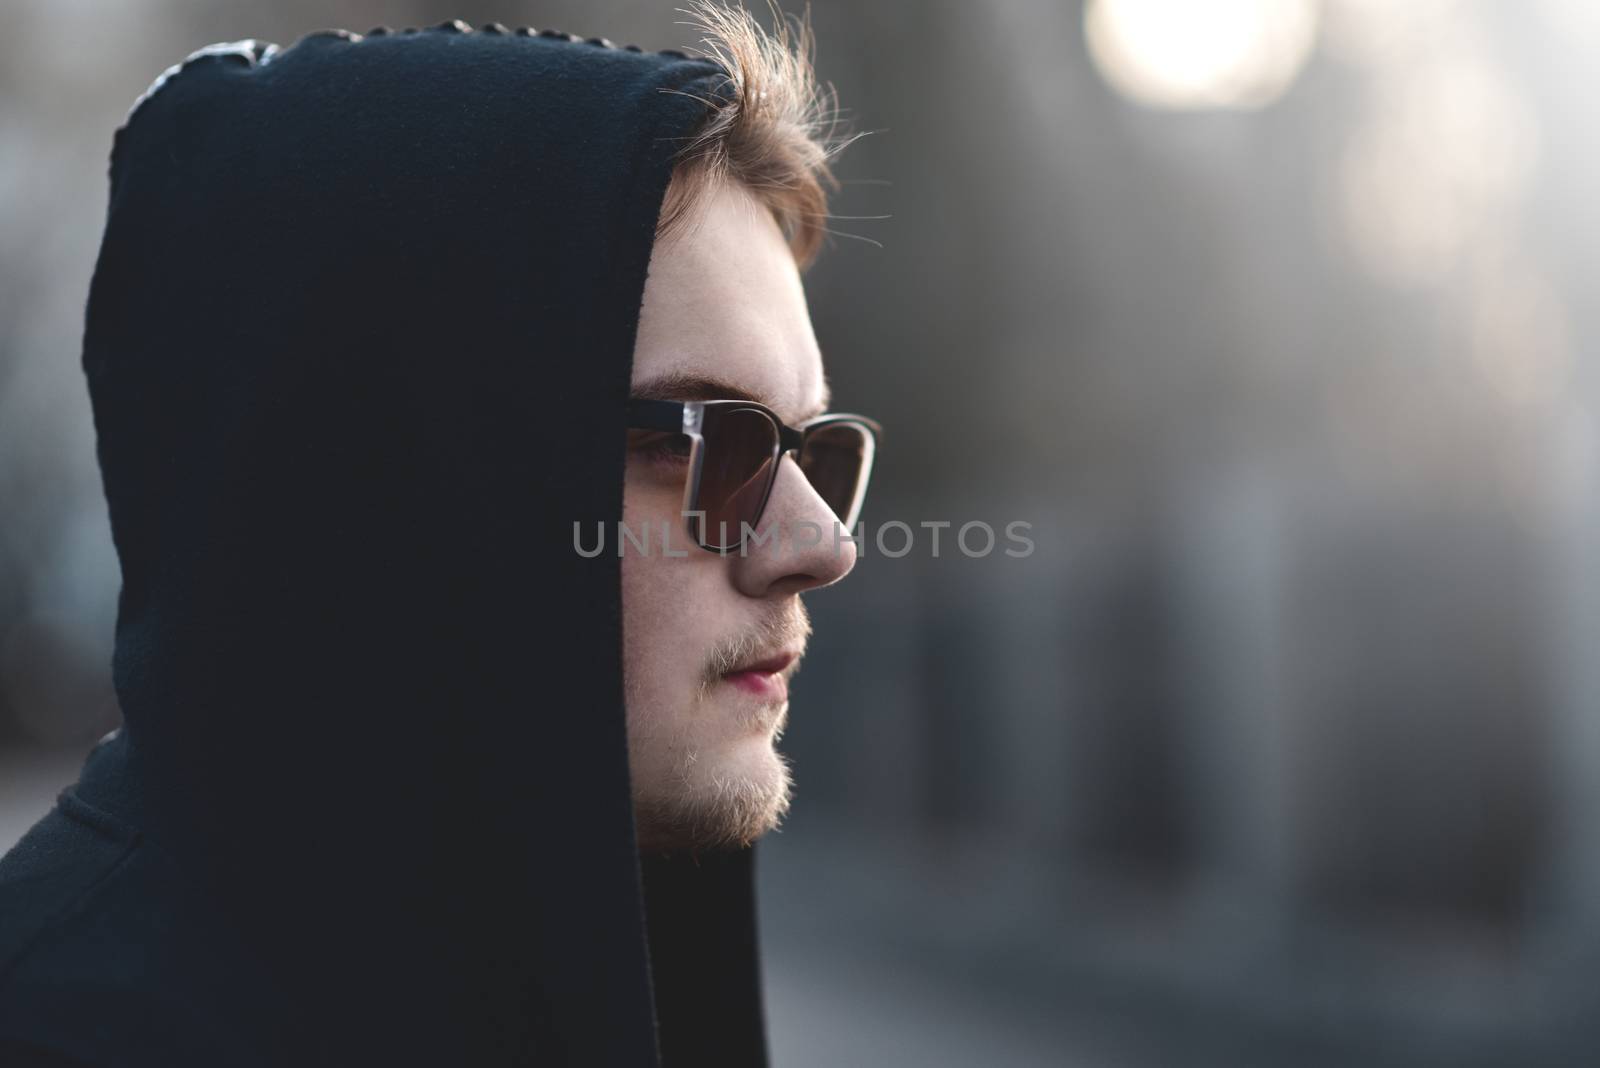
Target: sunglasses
x=734, y=449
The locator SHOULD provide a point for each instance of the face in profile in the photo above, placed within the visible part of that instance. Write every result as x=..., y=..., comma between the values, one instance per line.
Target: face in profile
x=711, y=641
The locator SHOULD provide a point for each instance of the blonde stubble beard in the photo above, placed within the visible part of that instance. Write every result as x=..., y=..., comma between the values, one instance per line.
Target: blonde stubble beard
x=695, y=803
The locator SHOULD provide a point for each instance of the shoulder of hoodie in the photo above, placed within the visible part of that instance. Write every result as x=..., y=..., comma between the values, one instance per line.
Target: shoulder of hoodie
x=88, y=961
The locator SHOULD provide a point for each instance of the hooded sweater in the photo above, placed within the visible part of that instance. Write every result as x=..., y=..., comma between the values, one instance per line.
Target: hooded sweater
x=358, y=344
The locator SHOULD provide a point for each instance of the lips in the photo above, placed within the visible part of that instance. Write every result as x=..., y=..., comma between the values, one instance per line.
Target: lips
x=764, y=677
x=769, y=665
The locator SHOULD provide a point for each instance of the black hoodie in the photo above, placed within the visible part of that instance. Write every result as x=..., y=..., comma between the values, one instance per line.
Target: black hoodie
x=358, y=343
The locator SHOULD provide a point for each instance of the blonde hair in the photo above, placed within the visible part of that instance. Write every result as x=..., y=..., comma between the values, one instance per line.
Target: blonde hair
x=774, y=132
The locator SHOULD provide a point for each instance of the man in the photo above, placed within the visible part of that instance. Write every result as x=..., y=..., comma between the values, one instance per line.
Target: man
x=379, y=322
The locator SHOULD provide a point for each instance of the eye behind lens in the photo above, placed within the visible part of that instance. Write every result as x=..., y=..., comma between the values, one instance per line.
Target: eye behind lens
x=739, y=461
x=660, y=446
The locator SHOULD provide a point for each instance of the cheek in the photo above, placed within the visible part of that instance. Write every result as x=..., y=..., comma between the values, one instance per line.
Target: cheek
x=666, y=604
x=651, y=591
x=649, y=498
x=673, y=607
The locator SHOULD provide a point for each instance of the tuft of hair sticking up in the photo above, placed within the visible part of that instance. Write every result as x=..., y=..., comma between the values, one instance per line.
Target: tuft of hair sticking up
x=775, y=133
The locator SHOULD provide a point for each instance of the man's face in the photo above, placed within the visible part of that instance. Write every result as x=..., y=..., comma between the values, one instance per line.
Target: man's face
x=724, y=308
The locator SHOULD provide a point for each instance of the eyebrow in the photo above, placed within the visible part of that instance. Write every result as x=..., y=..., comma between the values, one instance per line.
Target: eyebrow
x=678, y=386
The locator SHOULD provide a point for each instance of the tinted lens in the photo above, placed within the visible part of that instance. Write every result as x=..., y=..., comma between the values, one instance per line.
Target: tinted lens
x=837, y=458
x=738, y=460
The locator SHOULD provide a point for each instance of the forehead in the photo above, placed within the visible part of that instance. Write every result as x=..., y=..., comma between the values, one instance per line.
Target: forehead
x=724, y=302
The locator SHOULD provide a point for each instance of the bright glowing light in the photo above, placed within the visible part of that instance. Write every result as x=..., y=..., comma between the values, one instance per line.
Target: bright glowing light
x=1200, y=53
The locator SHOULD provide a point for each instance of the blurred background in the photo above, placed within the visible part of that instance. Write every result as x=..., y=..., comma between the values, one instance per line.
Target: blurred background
x=1283, y=746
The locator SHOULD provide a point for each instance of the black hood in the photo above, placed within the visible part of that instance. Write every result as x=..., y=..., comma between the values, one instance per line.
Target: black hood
x=358, y=343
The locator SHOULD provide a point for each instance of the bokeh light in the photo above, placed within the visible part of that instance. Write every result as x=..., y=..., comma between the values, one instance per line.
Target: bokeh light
x=1446, y=151
x=1189, y=54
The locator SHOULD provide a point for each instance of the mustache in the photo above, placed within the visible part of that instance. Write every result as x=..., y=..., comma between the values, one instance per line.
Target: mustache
x=787, y=630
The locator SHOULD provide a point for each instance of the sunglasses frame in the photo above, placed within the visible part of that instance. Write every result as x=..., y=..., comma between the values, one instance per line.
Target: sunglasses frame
x=688, y=417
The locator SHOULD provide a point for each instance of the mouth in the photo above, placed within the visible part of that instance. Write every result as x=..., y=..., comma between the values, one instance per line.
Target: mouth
x=764, y=677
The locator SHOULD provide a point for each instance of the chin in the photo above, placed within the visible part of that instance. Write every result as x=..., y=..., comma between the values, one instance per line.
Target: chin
x=720, y=798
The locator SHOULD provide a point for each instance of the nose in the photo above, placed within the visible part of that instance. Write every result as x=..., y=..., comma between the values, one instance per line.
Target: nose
x=802, y=543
